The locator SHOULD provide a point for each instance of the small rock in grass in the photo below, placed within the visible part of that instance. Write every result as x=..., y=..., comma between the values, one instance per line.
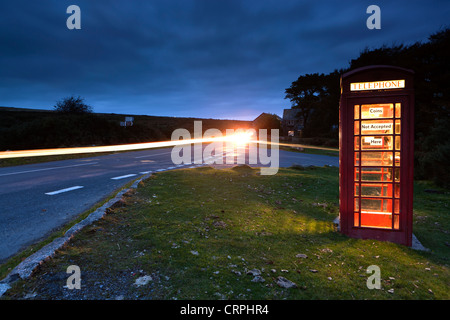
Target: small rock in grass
x=254, y=272
x=142, y=281
x=258, y=279
x=285, y=283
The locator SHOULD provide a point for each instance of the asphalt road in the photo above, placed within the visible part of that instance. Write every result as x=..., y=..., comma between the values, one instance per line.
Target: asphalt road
x=37, y=199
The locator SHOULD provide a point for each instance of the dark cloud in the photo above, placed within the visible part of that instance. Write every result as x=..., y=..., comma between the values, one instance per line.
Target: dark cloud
x=205, y=58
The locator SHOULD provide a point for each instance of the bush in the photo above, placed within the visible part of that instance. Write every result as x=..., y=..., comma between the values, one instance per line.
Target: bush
x=433, y=154
x=72, y=105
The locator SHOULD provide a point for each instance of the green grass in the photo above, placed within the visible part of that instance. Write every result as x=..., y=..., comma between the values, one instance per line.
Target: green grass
x=197, y=232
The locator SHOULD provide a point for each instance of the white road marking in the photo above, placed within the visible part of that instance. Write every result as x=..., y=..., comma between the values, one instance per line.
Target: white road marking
x=63, y=190
x=152, y=155
x=123, y=177
x=45, y=169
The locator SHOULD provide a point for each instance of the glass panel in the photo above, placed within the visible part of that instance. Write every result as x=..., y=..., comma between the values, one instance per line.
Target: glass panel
x=377, y=127
x=397, y=142
x=397, y=110
x=356, y=204
x=397, y=159
x=356, y=127
x=356, y=219
x=356, y=158
x=397, y=127
x=356, y=143
x=376, y=205
x=376, y=158
x=397, y=174
x=376, y=143
x=356, y=111
x=397, y=206
x=396, y=223
x=376, y=220
x=376, y=213
x=376, y=190
x=356, y=189
x=377, y=111
x=374, y=174
x=397, y=190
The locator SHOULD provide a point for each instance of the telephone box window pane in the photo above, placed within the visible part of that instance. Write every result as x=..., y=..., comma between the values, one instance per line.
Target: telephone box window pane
x=376, y=205
x=376, y=158
x=396, y=222
x=374, y=174
x=376, y=143
x=397, y=174
x=397, y=159
x=397, y=190
x=356, y=189
x=356, y=111
x=376, y=190
x=356, y=143
x=376, y=213
x=377, y=111
x=397, y=127
x=397, y=206
x=397, y=143
x=356, y=127
x=356, y=204
x=356, y=219
x=356, y=158
x=374, y=127
x=397, y=110
x=376, y=220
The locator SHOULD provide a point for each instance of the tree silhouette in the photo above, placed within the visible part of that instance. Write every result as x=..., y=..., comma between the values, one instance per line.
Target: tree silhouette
x=72, y=105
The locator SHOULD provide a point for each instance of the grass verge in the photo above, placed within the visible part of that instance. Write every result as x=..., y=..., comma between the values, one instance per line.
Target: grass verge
x=11, y=263
x=312, y=150
x=230, y=234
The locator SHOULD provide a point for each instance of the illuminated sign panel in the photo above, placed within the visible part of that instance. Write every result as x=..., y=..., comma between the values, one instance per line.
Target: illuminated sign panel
x=377, y=85
x=376, y=126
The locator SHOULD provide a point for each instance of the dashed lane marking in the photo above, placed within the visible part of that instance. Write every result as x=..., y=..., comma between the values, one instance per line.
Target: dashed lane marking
x=123, y=177
x=63, y=190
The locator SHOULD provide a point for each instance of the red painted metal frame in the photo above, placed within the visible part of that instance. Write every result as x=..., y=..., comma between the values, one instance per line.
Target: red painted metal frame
x=405, y=96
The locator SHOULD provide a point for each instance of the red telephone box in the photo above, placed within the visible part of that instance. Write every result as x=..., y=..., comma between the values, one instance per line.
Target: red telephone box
x=376, y=139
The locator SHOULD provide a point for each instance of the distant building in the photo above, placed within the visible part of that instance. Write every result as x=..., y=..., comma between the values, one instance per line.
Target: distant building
x=292, y=123
x=128, y=122
x=267, y=121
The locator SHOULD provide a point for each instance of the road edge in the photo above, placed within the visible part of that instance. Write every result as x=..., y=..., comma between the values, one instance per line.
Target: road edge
x=25, y=269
